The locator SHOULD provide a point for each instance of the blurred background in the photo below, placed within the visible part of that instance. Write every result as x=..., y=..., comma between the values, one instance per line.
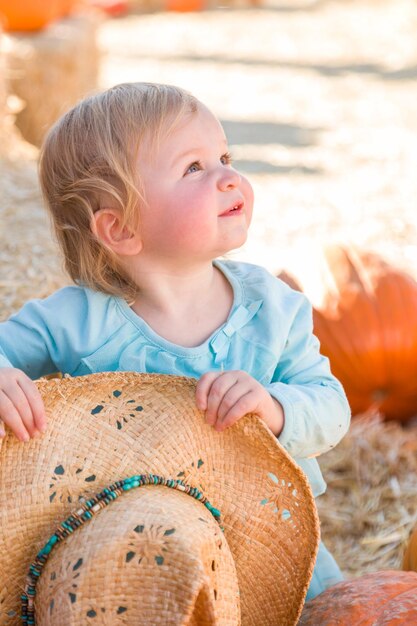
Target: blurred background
x=318, y=100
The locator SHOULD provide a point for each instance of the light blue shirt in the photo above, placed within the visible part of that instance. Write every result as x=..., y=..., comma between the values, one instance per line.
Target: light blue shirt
x=268, y=334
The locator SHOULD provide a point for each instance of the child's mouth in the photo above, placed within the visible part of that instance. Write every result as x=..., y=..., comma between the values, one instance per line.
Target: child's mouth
x=236, y=209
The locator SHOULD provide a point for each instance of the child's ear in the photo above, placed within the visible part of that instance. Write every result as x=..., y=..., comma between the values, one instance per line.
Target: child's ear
x=107, y=227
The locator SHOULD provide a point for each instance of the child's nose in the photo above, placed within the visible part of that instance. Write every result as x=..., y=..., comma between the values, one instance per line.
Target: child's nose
x=229, y=179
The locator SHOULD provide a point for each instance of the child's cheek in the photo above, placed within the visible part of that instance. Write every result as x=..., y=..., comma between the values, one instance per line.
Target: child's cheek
x=249, y=198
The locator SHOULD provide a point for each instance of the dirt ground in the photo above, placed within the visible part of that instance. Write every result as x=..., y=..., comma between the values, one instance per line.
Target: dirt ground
x=318, y=101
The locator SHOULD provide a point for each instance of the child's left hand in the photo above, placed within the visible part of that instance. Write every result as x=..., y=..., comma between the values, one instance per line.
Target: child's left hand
x=228, y=396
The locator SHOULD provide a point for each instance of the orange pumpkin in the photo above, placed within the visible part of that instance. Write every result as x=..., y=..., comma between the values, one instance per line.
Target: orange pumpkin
x=184, y=6
x=67, y=7
x=387, y=598
x=112, y=8
x=410, y=554
x=29, y=15
x=367, y=326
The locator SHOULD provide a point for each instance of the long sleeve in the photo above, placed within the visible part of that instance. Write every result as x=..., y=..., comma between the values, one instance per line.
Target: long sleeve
x=53, y=334
x=26, y=342
x=317, y=414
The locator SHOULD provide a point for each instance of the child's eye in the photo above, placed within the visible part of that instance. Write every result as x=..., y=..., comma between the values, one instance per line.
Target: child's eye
x=226, y=158
x=194, y=167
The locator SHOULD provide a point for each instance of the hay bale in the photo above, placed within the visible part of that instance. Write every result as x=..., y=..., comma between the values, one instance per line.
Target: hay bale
x=12, y=146
x=5, y=119
x=51, y=70
x=29, y=259
x=146, y=6
x=369, y=508
x=2, y=83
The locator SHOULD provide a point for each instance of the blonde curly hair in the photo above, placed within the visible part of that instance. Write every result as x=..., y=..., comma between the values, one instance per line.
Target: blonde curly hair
x=88, y=161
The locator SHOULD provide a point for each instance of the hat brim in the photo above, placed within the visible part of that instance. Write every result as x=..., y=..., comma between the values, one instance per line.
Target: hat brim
x=108, y=426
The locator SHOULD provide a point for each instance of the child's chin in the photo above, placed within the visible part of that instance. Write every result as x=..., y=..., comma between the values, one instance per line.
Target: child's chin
x=241, y=240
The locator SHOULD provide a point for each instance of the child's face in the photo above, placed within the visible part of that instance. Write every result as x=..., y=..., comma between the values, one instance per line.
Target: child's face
x=199, y=207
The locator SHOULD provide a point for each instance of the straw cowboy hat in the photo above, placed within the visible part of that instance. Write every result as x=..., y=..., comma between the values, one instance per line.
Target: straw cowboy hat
x=150, y=548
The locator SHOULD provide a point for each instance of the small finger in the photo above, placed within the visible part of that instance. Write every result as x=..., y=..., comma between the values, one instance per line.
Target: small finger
x=12, y=419
x=21, y=404
x=36, y=404
x=245, y=404
x=230, y=398
x=217, y=391
x=203, y=388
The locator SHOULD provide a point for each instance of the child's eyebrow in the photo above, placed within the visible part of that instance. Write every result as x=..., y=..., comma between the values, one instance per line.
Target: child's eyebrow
x=183, y=155
x=192, y=152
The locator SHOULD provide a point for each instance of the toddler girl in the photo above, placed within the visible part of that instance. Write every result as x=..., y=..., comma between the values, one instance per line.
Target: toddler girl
x=144, y=199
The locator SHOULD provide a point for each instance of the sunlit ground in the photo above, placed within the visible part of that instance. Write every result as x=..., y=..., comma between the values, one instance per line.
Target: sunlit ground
x=318, y=100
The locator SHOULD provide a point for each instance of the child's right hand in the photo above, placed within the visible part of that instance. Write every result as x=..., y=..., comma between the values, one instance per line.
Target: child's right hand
x=21, y=405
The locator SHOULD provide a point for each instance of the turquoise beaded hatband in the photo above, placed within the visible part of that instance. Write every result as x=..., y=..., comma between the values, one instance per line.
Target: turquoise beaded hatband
x=87, y=512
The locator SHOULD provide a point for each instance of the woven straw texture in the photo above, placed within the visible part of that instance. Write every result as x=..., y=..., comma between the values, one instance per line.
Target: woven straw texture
x=160, y=557
x=105, y=427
